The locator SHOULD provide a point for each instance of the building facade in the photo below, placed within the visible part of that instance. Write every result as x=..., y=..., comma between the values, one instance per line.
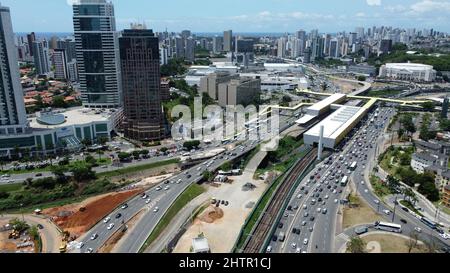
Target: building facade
x=41, y=58
x=241, y=91
x=228, y=40
x=141, y=79
x=408, y=72
x=210, y=84
x=60, y=63
x=13, y=119
x=97, y=53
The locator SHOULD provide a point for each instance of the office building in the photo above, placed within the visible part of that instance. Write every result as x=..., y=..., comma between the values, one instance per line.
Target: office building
x=31, y=38
x=41, y=58
x=385, y=46
x=13, y=119
x=242, y=91
x=73, y=70
x=281, y=48
x=69, y=46
x=61, y=64
x=141, y=82
x=228, y=41
x=317, y=48
x=97, y=53
x=217, y=44
x=189, y=49
x=210, y=83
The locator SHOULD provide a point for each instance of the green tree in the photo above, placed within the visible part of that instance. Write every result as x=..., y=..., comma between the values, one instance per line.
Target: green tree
x=356, y=245
x=102, y=140
x=428, y=105
x=124, y=156
x=59, y=102
x=89, y=159
x=189, y=145
x=207, y=176
x=226, y=166
x=82, y=171
x=361, y=78
x=19, y=225
x=60, y=173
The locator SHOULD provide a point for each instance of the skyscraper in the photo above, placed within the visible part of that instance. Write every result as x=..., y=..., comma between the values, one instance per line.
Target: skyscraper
x=41, y=58
x=141, y=79
x=189, y=52
x=60, y=63
x=228, y=41
x=13, y=119
x=97, y=53
x=31, y=38
x=217, y=44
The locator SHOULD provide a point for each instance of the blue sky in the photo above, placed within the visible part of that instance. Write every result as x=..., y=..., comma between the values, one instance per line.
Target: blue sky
x=242, y=15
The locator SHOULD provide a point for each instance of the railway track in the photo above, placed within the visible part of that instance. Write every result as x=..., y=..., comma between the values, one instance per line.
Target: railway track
x=264, y=226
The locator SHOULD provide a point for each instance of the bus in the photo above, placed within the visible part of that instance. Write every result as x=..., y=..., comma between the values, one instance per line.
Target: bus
x=429, y=223
x=353, y=166
x=344, y=181
x=388, y=227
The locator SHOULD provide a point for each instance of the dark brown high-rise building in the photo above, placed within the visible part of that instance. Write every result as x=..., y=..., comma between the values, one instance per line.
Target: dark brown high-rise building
x=141, y=83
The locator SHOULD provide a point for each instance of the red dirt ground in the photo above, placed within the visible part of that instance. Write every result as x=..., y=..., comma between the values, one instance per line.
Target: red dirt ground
x=77, y=222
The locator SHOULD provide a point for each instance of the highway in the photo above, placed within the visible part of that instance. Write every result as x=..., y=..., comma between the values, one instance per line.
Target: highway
x=162, y=199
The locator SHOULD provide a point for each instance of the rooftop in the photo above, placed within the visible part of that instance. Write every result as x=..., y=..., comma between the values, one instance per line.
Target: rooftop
x=74, y=116
x=409, y=66
x=337, y=122
x=327, y=102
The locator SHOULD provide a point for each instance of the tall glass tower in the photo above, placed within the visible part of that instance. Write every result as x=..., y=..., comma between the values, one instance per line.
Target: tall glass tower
x=13, y=118
x=139, y=55
x=97, y=53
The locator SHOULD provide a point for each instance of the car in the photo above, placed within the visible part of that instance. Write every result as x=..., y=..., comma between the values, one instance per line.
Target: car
x=167, y=188
x=38, y=174
x=274, y=238
x=305, y=242
x=387, y=212
x=311, y=229
x=144, y=196
x=324, y=211
x=94, y=236
x=376, y=202
x=89, y=250
x=418, y=229
x=340, y=191
x=289, y=208
x=405, y=209
x=445, y=236
x=298, y=231
x=40, y=226
x=280, y=225
x=294, y=245
x=148, y=201
x=304, y=223
x=107, y=219
x=312, y=218
x=366, y=191
x=299, y=196
x=319, y=210
x=298, y=250
x=124, y=206
x=118, y=215
x=110, y=226
x=336, y=201
x=156, y=210
x=158, y=188
x=269, y=249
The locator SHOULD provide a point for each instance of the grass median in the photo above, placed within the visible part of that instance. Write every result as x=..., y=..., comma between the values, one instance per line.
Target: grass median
x=188, y=195
x=138, y=168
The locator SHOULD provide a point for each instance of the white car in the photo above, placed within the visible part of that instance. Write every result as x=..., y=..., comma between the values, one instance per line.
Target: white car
x=156, y=210
x=376, y=202
x=336, y=201
x=269, y=249
x=110, y=226
x=305, y=242
x=326, y=197
x=362, y=182
x=366, y=191
x=445, y=236
x=107, y=219
x=298, y=250
x=148, y=201
x=418, y=229
x=387, y=212
x=167, y=188
x=158, y=188
x=294, y=245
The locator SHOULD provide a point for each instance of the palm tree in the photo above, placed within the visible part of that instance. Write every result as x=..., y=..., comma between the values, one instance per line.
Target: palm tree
x=356, y=245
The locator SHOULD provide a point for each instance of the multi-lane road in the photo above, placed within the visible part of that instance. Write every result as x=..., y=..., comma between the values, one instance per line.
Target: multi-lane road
x=317, y=228
x=162, y=198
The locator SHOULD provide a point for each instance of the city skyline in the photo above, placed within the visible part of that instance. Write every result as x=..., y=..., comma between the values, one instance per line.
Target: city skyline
x=250, y=16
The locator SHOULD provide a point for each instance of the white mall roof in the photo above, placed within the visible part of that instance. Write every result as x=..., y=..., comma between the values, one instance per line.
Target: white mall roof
x=326, y=102
x=77, y=116
x=200, y=245
x=305, y=119
x=408, y=66
x=337, y=122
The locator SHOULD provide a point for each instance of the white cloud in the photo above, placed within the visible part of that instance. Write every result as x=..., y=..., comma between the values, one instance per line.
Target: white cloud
x=373, y=2
x=360, y=14
x=430, y=6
